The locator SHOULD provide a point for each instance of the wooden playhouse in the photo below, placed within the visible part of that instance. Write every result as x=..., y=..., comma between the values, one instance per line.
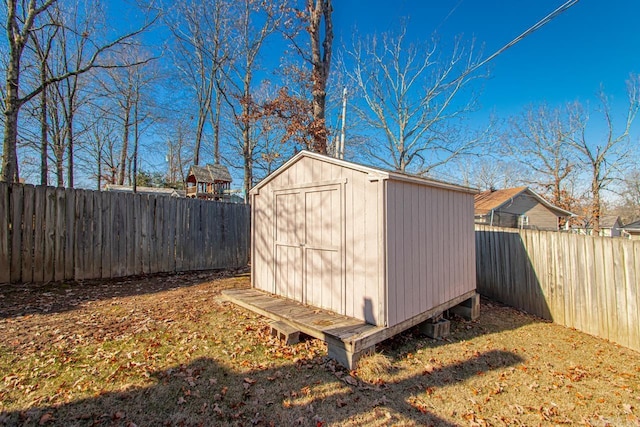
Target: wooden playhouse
x=379, y=251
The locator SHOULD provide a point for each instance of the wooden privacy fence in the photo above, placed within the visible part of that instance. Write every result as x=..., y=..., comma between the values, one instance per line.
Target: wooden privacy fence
x=52, y=234
x=584, y=282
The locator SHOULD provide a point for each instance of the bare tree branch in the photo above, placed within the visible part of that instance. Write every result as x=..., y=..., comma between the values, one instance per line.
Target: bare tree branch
x=414, y=100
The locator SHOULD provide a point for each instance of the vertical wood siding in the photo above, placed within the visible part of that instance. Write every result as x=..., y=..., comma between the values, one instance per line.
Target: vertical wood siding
x=431, y=251
x=584, y=282
x=425, y=233
x=339, y=267
x=53, y=234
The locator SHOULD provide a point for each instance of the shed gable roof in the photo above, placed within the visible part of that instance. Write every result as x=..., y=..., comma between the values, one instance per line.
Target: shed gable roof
x=376, y=173
x=488, y=201
x=210, y=173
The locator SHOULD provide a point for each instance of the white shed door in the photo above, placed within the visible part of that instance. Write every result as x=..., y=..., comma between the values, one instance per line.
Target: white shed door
x=289, y=235
x=308, y=256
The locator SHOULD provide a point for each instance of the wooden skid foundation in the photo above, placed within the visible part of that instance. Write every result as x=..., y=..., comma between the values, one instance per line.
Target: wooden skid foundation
x=468, y=309
x=285, y=332
x=348, y=339
x=438, y=328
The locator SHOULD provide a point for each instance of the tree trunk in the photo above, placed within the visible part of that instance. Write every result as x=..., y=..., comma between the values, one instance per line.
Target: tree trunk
x=125, y=147
x=247, y=149
x=12, y=107
x=135, y=143
x=99, y=178
x=248, y=162
x=320, y=63
x=216, y=130
x=44, y=166
x=60, y=165
x=70, y=142
x=199, y=132
x=595, y=204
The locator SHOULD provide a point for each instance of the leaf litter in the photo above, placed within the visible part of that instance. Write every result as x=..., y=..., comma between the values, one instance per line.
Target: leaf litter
x=167, y=350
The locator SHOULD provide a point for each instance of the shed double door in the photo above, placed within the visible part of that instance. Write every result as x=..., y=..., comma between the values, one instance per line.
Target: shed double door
x=308, y=246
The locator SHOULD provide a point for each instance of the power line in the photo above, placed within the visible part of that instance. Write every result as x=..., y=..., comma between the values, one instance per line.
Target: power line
x=528, y=32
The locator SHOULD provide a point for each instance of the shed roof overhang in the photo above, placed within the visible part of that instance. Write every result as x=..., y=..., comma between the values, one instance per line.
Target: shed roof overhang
x=375, y=174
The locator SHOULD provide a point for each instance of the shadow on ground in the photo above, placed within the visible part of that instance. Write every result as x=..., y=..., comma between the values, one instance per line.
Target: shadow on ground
x=207, y=393
x=57, y=297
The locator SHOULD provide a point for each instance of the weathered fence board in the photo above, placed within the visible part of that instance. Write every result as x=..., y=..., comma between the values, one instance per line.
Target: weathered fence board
x=15, y=200
x=27, y=234
x=584, y=282
x=5, y=262
x=54, y=234
x=49, y=233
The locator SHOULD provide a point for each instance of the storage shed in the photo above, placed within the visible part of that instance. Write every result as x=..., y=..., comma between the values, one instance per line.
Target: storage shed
x=379, y=246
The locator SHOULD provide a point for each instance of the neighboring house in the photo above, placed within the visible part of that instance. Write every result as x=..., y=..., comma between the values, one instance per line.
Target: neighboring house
x=145, y=190
x=518, y=207
x=632, y=230
x=208, y=182
x=610, y=226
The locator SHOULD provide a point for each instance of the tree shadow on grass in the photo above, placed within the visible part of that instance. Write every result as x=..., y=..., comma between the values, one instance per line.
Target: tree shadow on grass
x=57, y=297
x=208, y=392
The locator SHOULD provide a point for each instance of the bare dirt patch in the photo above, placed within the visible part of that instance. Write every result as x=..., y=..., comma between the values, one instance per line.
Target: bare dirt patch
x=166, y=350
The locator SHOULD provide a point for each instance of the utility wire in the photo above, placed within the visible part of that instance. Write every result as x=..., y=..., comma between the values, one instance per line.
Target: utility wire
x=535, y=27
x=449, y=14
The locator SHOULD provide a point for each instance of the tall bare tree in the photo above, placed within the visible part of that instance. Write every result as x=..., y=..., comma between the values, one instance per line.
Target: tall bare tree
x=254, y=22
x=539, y=140
x=604, y=157
x=414, y=99
x=23, y=18
x=321, y=33
x=93, y=154
x=630, y=209
x=43, y=44
x=125, y=88
x=19, y=26
x=201, y=31
x=316, y=22
x=489, y=172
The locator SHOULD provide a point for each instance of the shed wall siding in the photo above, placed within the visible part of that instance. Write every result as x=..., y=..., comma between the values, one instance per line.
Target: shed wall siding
x=359, y=230
x=431, y=248
x=262, y=239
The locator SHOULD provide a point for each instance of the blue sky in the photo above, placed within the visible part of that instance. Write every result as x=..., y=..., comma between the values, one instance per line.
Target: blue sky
x=593, y=43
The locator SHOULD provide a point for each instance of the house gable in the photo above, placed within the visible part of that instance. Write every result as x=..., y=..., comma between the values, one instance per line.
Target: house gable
x=517, y=207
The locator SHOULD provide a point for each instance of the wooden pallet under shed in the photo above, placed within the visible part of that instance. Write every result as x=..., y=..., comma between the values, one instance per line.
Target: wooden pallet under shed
x=347, y=338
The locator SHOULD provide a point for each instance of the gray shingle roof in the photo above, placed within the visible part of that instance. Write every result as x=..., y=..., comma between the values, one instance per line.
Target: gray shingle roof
x=635, y=226
x=608, y=221
x=210, y=173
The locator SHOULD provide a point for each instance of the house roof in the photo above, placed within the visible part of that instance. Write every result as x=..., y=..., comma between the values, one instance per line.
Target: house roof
x=493, y=200
x=374, y=173
x=210, y=173
x=609, y=221
x=489, y=200
x=145, y=190
x=633, y=227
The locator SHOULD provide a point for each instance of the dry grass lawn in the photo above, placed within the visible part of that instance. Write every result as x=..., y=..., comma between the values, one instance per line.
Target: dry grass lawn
x=166, y=350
